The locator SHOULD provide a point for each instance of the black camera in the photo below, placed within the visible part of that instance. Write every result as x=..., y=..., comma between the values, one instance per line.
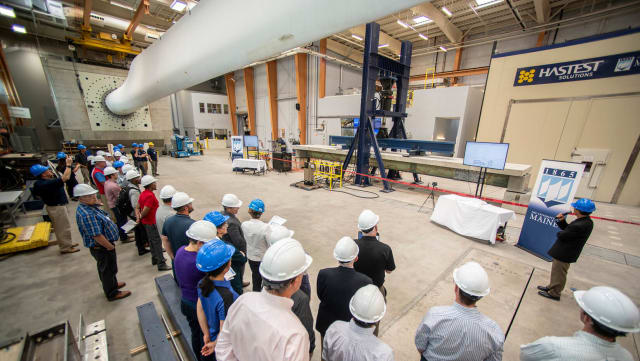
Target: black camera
x=434, y=184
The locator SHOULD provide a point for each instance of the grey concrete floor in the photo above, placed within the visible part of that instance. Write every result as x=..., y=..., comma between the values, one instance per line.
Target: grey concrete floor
x=41, y=287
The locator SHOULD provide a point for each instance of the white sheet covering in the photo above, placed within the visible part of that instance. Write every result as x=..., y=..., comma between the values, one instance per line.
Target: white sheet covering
x=257, y=164
x=470, y=217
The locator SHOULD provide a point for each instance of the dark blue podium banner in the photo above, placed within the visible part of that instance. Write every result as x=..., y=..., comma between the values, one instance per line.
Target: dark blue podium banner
x=585, y=69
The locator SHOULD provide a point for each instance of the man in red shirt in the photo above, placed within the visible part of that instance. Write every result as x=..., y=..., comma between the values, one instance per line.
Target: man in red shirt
x=97, y=173
x=146, y=214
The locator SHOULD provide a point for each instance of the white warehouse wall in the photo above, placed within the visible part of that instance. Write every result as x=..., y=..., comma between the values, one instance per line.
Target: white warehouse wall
x=208, y=120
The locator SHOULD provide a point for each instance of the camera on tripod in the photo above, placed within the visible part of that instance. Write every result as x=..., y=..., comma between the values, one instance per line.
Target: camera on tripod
x=434, y=184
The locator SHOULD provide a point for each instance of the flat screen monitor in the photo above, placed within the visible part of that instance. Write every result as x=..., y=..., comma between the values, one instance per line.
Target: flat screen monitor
x=251, y=141
x=486, y=155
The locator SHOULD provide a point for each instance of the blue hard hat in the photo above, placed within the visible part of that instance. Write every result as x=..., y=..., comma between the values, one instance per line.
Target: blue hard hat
x=81, y=147
x=118, y=164
x=37, y=169
x=257, y=205
x=88, y=152
x=216, y=218
x=134, y=145
x=585, y=205
x=213, y=255
x=61, y=155
x=120, y=146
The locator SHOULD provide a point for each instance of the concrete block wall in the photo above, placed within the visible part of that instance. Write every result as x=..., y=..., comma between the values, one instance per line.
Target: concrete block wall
x=73, y=114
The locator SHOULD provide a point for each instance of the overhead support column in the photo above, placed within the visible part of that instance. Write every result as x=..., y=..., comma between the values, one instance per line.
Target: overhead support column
x=231, y=97
x=441, y=20
x=456, y=64
x=251, y=99
x=142, y=9
x=322, y=72
x=543, y=11
x=345, y=51
x=272, y=88
x=394, y=44
x=86, y=16
x=301, y=92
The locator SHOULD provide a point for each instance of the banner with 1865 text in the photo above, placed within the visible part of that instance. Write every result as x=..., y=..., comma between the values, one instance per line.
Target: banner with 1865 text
x=553, y=193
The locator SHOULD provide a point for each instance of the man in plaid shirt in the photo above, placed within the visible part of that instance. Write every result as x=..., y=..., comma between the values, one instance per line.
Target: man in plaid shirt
x=99, y=234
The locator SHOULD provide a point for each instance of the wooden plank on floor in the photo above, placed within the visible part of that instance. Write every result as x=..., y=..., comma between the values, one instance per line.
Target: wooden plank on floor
x=171, y=296
x=160, y=349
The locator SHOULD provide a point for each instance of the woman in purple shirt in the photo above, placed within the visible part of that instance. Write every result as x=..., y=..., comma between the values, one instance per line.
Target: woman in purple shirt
x=199, y=233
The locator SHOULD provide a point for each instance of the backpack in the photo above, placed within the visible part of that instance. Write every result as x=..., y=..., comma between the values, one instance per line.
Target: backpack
x=227, y=297
x=123, y=203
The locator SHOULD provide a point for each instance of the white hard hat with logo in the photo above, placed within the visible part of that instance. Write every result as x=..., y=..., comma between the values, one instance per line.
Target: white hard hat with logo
x=99, y=158
x=117, y=154
x=83, y=190
x=609, y=307
x=132, y=174
x=472, y=279
x=278, y=232
x=367, y=220
x=180, y=199
x=146, y=180
x=231, y=200
x=203, y=231
x=126, y=168
x=367, y=304
x=109, y=171
x=284, y=260
x=167, y=192
x=346, y=250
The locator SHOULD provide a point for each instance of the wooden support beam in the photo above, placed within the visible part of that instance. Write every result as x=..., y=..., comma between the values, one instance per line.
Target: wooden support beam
x=453, y=74
x=231, y=97
x=440, y=19
x=394, y=44
x=301, y=92
x=543, y=11
x=322, y=71
x=456, y=65
x=251, y=99
x=540, y=38
x=143, y=8
x=272, y=88
x=86, y=15
x=347, y=52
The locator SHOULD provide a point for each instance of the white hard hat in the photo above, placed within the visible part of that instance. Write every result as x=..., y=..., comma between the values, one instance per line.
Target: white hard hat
x=346, y=250
x=126, y=168
x=231, y=200
x=277, y=233
x=167, y=192
x=109, y=171
x=83, y=190
x=124, y=159
x=99, y=158
x=132, y=174
x=203, y=231
x=610, y=308
x=117, y=154
x=367, y=220
x=180, y=199
x=99, y=153
x=367, y=304
x=146, y=180
x=284, y=260
x=472, y=279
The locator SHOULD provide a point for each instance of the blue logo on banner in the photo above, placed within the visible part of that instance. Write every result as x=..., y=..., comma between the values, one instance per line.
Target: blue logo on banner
x=585, y=69
x=555, y=186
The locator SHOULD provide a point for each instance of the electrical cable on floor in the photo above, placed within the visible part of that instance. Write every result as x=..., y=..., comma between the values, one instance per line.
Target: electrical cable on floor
x=6, y=237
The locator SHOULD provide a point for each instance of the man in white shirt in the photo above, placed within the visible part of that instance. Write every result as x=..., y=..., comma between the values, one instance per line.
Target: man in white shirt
x=606, y=314
x=255, y=233
x=165, y=210
x=260, y=326
x=460, y=331
x=354, y=340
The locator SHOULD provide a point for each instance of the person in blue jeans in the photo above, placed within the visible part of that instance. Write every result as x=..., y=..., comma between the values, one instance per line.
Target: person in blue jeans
x=215, y=294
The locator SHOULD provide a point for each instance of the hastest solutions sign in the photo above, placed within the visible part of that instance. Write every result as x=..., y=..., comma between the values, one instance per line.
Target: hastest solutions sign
x=594, y=68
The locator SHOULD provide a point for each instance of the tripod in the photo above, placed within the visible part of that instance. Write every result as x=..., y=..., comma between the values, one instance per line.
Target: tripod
x=431, y=195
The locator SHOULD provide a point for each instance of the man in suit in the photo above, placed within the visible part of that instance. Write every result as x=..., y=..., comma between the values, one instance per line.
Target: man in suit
x=336, y=286
x=235, y=237
x=571, y=239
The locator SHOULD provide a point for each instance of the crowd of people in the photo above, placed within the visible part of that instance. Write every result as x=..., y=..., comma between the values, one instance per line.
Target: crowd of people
x=274, y=320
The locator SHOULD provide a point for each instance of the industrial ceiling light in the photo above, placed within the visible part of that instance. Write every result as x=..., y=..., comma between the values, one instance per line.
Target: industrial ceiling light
x=485, y=3
x=446, y=11
x=178, y=5
x=356, y=37
x=18, y=29
x=419, y=20
x=443, y=49
x=7, y=11
x=402, y=23
x=121, y=5
x=382, y=46
x=424, y=37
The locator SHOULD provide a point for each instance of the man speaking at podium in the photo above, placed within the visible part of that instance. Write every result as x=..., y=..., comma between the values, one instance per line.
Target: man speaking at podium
x=571, y=239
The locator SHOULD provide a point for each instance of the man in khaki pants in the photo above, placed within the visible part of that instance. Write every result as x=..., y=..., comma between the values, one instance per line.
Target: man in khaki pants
x=51, y=190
